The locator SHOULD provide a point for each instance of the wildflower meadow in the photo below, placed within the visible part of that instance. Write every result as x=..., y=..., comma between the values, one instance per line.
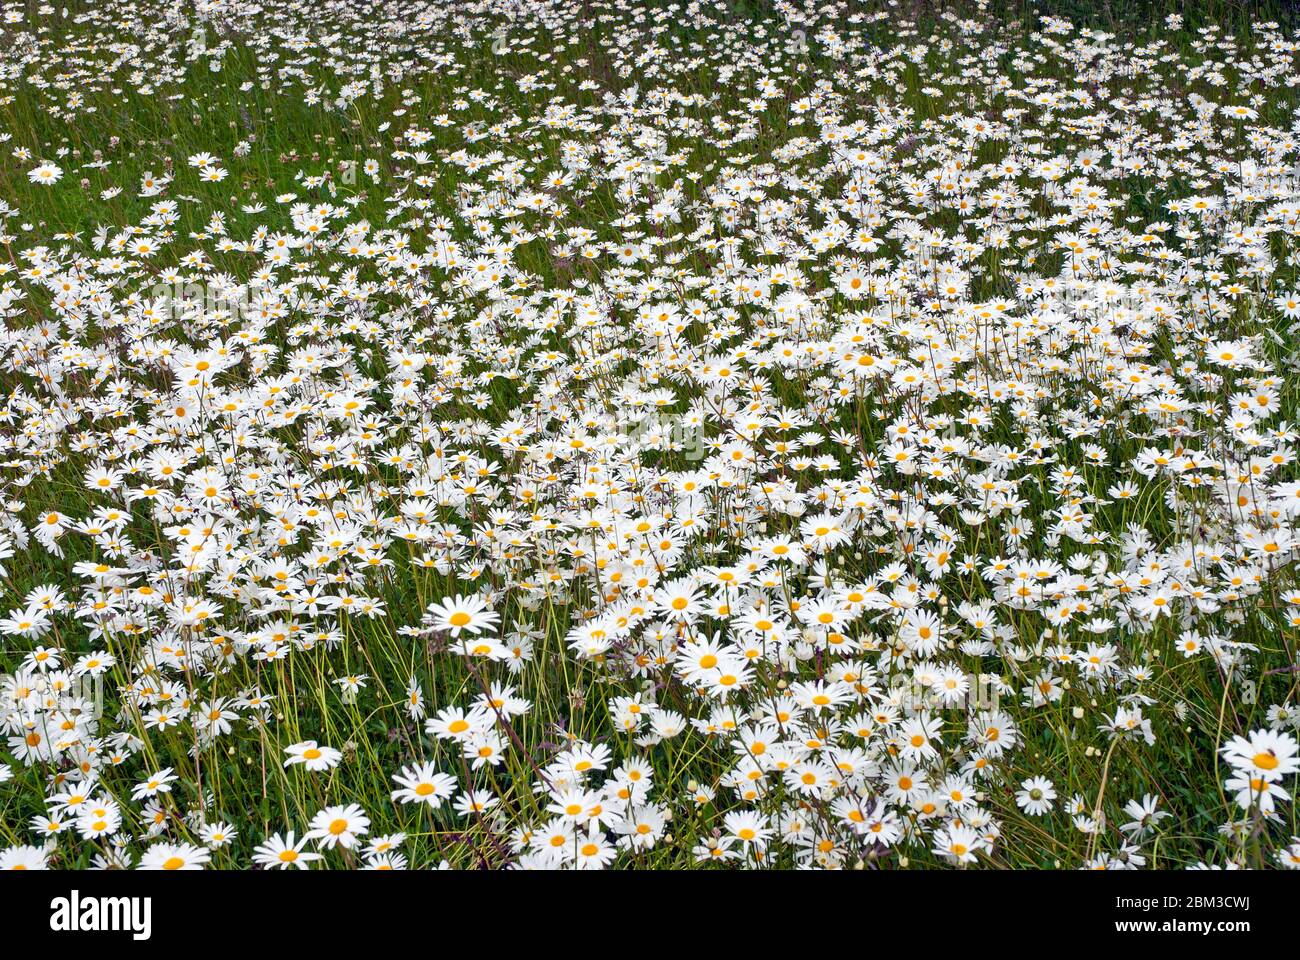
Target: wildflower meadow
x=697, y=435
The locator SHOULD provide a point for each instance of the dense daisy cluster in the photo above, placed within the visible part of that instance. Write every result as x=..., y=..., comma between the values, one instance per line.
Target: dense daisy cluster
x=618, y=434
